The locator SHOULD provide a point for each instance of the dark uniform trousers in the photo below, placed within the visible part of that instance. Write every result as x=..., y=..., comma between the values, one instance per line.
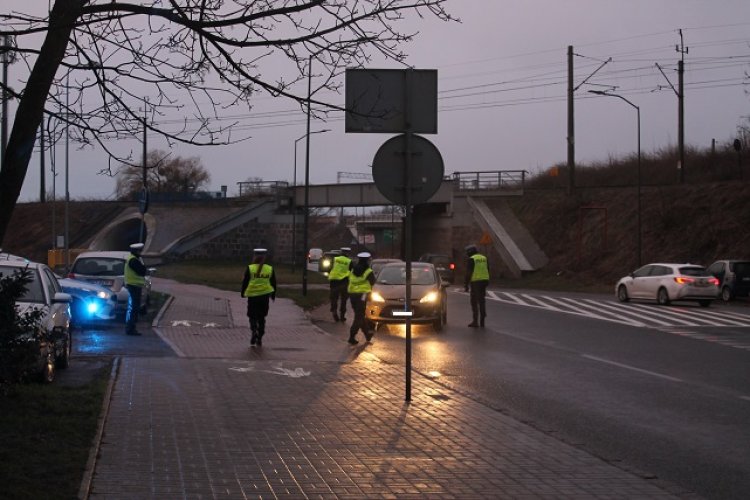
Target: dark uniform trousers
x=359, y=301
x=339, y=294
x=134, y=307
x=257, y=310
x=478, y=290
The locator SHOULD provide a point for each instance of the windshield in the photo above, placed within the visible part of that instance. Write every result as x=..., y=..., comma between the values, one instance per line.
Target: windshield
x=396, y=275
x=99, y=266
x=34, y=292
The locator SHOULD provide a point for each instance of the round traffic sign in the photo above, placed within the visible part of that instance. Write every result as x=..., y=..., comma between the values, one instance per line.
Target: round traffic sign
x=426, y=169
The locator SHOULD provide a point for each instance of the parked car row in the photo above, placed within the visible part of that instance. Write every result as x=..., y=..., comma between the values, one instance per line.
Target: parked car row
x=668, y=282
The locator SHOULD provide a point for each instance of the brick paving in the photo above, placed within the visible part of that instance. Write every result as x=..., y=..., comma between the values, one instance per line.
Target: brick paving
x=307, y=416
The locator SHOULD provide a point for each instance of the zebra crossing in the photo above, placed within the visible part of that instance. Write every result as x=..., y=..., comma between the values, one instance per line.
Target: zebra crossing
x=630, y=313
x=690, y=322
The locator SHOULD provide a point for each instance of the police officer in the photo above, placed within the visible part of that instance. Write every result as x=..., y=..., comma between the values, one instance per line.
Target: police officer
x=135, y=279
x=360, y=284
x=258, y=285
x=337, y=282
x=477, y=277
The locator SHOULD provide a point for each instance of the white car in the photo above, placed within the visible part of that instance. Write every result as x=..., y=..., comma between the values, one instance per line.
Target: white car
x=107, y=268
x=44, y=294
x=665, y=283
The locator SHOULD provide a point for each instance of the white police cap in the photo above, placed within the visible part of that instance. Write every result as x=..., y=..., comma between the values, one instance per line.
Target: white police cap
x=136, y=246
x=346, y=249
x=364, y=255
x=260, y=251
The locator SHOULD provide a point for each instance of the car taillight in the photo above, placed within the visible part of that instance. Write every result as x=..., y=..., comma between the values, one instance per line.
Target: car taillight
x=72, y=276
x=714, y=281
x=684, y=281
x=452, y=266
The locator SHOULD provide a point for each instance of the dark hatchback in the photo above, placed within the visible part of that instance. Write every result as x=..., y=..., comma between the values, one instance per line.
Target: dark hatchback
x=733, y=276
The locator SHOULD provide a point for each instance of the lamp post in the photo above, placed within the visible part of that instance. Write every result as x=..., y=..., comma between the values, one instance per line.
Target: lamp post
x=294, y=200
x=638, y=176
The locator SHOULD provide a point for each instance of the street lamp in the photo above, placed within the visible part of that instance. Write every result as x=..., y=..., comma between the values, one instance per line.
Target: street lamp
x=638, y=176
x=294, y=200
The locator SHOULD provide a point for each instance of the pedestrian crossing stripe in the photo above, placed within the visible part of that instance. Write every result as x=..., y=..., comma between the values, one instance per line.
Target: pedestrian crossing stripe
x=632, y=314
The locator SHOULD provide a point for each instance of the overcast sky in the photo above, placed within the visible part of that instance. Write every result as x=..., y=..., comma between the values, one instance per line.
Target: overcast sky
x=502, y=77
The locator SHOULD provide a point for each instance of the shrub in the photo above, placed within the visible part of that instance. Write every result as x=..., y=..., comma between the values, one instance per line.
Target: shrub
x=20, y=334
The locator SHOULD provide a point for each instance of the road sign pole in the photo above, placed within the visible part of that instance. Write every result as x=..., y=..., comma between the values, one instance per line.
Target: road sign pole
x=408, y=221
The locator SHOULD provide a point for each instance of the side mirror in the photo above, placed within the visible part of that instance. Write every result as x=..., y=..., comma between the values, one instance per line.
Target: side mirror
x=61, y=297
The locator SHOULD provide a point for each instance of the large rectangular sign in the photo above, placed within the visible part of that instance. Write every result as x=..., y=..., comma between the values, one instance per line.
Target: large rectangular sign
x=393, y=101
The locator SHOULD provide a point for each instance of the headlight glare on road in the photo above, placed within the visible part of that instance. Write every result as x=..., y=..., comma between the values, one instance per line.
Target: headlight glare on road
x=429, y=298
x=376, y=297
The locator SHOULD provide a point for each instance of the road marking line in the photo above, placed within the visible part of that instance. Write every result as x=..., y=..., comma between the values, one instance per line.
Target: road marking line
x=624, y=310
x=590, y=314
x=663, y=313
x=628, y=367
x=541, y=302
x=514, y=298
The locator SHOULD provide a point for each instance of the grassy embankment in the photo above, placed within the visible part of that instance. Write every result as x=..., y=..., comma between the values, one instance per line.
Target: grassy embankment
x=227, y=275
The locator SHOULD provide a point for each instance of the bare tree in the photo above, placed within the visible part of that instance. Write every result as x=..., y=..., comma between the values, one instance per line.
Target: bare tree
x=107, y=68
x=164, y=174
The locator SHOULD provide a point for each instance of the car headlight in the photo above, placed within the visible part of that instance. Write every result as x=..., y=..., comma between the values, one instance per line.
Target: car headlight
x=103, y=295
x=92, y=307
x=430, y=298
x=376, y=297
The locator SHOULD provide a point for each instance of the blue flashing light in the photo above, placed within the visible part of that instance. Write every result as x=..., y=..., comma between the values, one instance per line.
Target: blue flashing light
x=92, y=307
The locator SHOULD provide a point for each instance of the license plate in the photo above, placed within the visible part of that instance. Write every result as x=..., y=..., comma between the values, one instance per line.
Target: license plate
x=102, y=282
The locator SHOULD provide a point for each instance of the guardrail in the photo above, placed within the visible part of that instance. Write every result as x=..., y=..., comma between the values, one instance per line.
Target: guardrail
x=265, y=188
x=490, y=180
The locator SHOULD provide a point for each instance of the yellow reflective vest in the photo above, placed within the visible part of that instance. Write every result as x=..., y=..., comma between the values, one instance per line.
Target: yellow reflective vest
x=359, y=284
x=340, y=269
x=130, y=276
x=260, y=282
x=481, y=271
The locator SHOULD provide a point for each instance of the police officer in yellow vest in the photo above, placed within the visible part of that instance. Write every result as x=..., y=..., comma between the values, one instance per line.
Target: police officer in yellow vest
x=360, y=284
x=258, y=285
x=135, y=279
x=477, y=277
x=338, y=279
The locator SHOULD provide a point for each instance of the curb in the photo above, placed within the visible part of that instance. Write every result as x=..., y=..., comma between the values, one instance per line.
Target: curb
x=88, y=473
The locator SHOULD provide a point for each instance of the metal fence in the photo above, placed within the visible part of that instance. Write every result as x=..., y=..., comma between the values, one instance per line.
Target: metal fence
x=490, y=180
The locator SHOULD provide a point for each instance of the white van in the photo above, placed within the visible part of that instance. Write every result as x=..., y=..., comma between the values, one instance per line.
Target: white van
x=314, y=255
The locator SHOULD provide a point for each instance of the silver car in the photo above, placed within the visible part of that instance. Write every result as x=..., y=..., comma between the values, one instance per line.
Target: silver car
x=107, y=268
x=44, y=294
x=665, y=283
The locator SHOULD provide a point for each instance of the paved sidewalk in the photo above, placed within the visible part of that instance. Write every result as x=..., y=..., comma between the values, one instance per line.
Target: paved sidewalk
x=308, y=416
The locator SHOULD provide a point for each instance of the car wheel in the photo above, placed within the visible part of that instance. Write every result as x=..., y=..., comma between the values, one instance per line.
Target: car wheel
x=63, y=361
x=662, y=297
x=622, y=294
x=726, y=294
x=704, y=303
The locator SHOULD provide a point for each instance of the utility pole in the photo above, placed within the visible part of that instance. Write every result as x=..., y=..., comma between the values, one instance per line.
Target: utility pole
x=42, y=194
x=681, y=106
x=571, y=120
x=571, y=126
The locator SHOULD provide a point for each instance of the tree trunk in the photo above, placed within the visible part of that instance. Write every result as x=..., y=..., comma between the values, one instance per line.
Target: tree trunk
x=30, y=110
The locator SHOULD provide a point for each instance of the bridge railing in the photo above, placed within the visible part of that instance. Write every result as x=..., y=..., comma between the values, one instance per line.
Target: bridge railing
x=490, y=180
x=261, y=188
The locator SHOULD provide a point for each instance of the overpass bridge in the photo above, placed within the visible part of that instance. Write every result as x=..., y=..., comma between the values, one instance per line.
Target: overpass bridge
x=467, y=207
